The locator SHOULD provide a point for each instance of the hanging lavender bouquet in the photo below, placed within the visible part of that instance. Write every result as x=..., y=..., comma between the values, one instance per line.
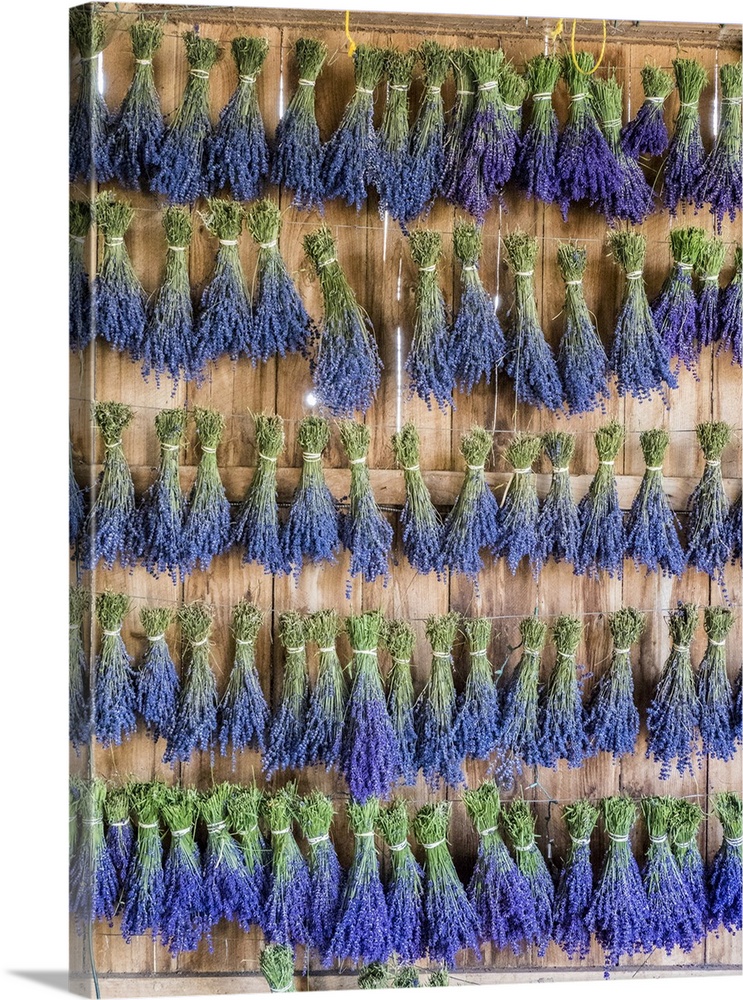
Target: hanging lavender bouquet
x=603, y=538
x=280, y=321
x=90, y=119
x=420, y=521
x=652, y=527
x=499, y=893
x=93, y=881
x=518, y=738
x=639, y=357
x=427, y=132
x=257, y=529
x=574, y=890
x=707, y=535
x=478, y=709
x=119, y=834
x=399, y=640
x=450, y=921
x=513, y=89
x=237, y=152
x=612, y=718
x=326, y=713
x=562, y=720
x=391, y=177
x=459, y=116
x=710, y=262
x=731, y=306
x=314, y=815
x=159, y=542
x=529, y=360
x=440, y=753
x=346, y=366
x=79, y=703
x=684, y=163
x=370, y=756
x=675, y=308
x=114, y=695
x=277, y=967
x=673, y=714
x=286, y=908
x=182, y=172
x=735, y=530
x=558, y=525
x=351, y=155
x=726, y=874
x=183, y=922
x=519, y=822
x=243, y=713
x=646, y=133
x=298, y=157
x=716, y=721
x=144, y=886
x=119, y=301
x=536, y=169
x=81, y=328
x=243, y=808
x=430, y=362
x=683, y=830
x=311, y=531
x=206, y=523
x=137, y=128
x=364, y=530
x=76, y=511
x=157, y=681
x=404, y=887
x=476, y=344
x=195, y=724
x=287, y=726
x=720, y=185
x=581, y=359
x=473, y=522
x=519, y=509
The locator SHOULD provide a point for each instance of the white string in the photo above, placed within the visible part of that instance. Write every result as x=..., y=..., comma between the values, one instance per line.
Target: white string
x=686, y=843
x=155, y=638
x=326, y=263
x=319, y=839
x=659, y=840
x=115, y=241
x=169, y=447
x=532, y=652
x=120, y=822
x=607, y=461
x=180, y=833
x=207, y=450
x=689, y=104
x=306, y=83
x=436, y=843
x=612, y=123
x=619, y=651
x=228, y=243
x=411, y=468
x=311, y=456
x=654, y=100
x=475, y=468
x=523, y=274
x=680, y=649
x=528, y=847
x=294, y=649
x=566, y=656
x=683, y=266
x=734, y=841
x=77, y=239
x=216, y=827
x=576, y=281
x=201, y=642
x=115, y=631
x=581, y=841
x=180, y=249
x=512, y=107
x=244, y=642
x=545, y=95
x=716, y=642
x=200, y=74
x=399, y=86
x=434, y=90
x=577, y=97
x=431, y=267
x=278, y=833
x=478, y=652
x=713, y=462
x=633, y=275
x=732, y=100
x=490, y=85
x=619, y=839
x=364, y=652
x=467, y=93
x=365, y=833
x=143, y=62
x=711, y=277
x=358, y=461
x=148, y=826
x=561, y=468
x=469, y=267
x=267, y=246
x=490, y=829
x=326, y=649
x=247, y=79
x=268, y=458
x=282, y=989
x=653, y=468
x=399, y=847
x=363, y=90
x=439, y=655
x=521, y=472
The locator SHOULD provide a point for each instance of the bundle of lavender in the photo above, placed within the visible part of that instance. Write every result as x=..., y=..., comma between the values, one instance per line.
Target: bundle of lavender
x=321, y=743
x=351, y=155
x=257, y=528
x=421, y=525
x=243, y=809
x=243, y=713
x=182, y=173
x=119, y=301
x=603, y=539
x=440, y=752
x=427, y=132
x=206, y=523
x=183, y=922
x=459, y=116
x=639, y=357
x=430, y=362
x=612, y=718
x=157, y=681
x=391, y=177
x=518, y=739
x=478, y=708
x=513, y=90
x=720, y=185
x=535, y=168
x=726, y=873
x=144, y=887
x=167, y=339
x=81, y=328
x=683, y=830
x=237, y=152
x=684, y=163
x=675, y=308
x=90, y=119
x=286, y=730
x=404, y=887
x=79, y=670
x=652, y=527
x=346, y=366
x=574, y=891
x=646, y=133
x=735, y=530
x=520, y=822
x=76, y=510
x=558, y=527
x=326, y=877
x=195, y=723
x=137, y=128
x=708, y=538
x=285, y=913
x=399, y=639
x=277, y=967
x=297, y=157
x=731, y=306
x=710, y=262
x=716, y=712
x=476, y=344
x=562, y=721
x=519, y=509
x=529, y=360
x=673, y=714
x=114, y=694
x=93, y=882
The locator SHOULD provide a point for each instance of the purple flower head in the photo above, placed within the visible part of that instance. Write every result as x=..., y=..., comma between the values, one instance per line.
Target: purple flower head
x=119, y=833
x=392, y=174
x=404, y=886
x=243, y=713
x=519, y=822
x=81, y=327
x=682, y=831
x=243, y=810
x=461, y=112
x=675, y=308
x=420, y=521
x=574, y=891
x=440, y=752
x=536, y=169
x=684, y=164
x=314, y=815
x=90, y=119
x=206, y=524
x=558, y=527
x=157, y=681
x=647, y=133
x=94, y=884
x=726, y=874
x=603, y=539
x=519, y=509
x=720, y=182
x=581, y=358
x=430, y=362
x=427, y=132
x=612, y=718
x=287, y=726
x=652, y=527
x=119, y=301
x=561, y=714
x=79, y=697
x=195, y=724
x=735, y=530
x=114, y=695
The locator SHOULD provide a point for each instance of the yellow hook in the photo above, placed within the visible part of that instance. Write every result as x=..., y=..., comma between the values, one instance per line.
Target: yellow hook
x=590, y=72
x=351, y=42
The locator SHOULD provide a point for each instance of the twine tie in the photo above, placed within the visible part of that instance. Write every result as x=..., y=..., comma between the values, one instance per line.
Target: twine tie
x=247, y=79
x=619, y=838
x=399, y=847
x=306, y=83
x=490, y=85
x=155, y=638
x=364, y=652
x=319, y=839
x=436, y=843
x=228, y=243
x=200, y=74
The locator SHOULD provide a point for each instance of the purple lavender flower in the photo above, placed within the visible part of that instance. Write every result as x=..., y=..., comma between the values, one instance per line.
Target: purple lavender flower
x=81, y=327
x=90, y=119
x=119, y=834
x=647, y=132
x=114, y=696
x=708, y=537
x=716, y=723
x=459, y=116
x=420, y=521
x=478, y=708
x=287, y=726
x=561, y=723
x=684, y=162
x=399, y=639
x=77, y=511
x=430, y=362
x=709, y=264
x=518, y=738
x=391, y=177
x=243, y=713
x=735, y=530
x=183, y=922
x=79, y=697
x=612, y=718
x=726, y=873
x=535, y=168
x=286, y=909
x=519, y=508
x=581, y=359
x=243, y=808
x=427, y=132
x=731, y=309
x=195, y=724
x=603, y=538
x=652, y=527
x=314, y=815
x=119, y=301
x=675, y=308
x=720, y=184
x=472, y=523
x=440, y=751
x=206, y=523
x=157, y=681
x=322, y=740
x=574, y=891
x=519, y=822
x=144, y=886
x=558, y=527
x=93, y=881
x=682, y=831
x=404, y=886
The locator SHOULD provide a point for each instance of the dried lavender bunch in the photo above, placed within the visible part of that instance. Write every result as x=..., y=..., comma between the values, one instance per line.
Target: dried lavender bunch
x=297, y=158
x=675, y=308
x=427, y=132
x=684, y=162
x=314, y=815
x=440, y=753
x=277, y=966
x=256, y=528
x=519, y=822
x=392, y=172
x=683, y=829
x=726, y=873
x=529, y=360
x=93, y=881
x=228, y=883
x=459, y=116
x=535, y=168
x=374, y=976
x=513, y=90
x=476, y=345
x=652, y=527
x=421, y=524
x=79, y=674
x=720, y=183
x=137, y=128
x=286, y=907
x=114, y=695
x=280, y=321
x=364, y=530
x=351, y=155
x=168, y=334
x=639, y=357
x=346, y=366
x=574, y=890
x=562, y=734
x=183, y=923
x=243, y=808
x=646, y=133
x=237, y=152
x=581, y=359
x=370, y=756
x=478, y=708
x=716, y=723
x=734, y=530
x=144, y=887
x=206, y=524
x=90, y=119
x=612, y=718
x=731, y=307
x=519, y=509
x=119, y=301
x=710, y=262
x=81, y=328
x=500, y=894
x=404, y=886
x=518, y=739
x=707, y=535
x=439, y=977
x=195, y=724
x=77, y=513
x=603, y=539
x=558, y=527
x=430, y=362
x=243, y=713
x=157, y=681
x=450, y=921
x=182, y=173
x=287, y=726
x=159, y=542
x=321, y=743
x=673, y=714
x=311, y=531
x=398, y=638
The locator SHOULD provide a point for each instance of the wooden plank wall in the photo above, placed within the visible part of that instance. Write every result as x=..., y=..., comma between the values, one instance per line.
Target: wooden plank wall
x=378, y=265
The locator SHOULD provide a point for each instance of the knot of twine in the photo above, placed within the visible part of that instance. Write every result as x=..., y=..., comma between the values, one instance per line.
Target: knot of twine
x=306, y=83
x=178, y=249
x=267, y=246
x=294, y=649
x=327, y=262
x=326, y=649
x=531, y=652
x=201, y=642
x=489, y=85
x=565, y=656
x=680, y=649
x=399, y=86
x=228, y=243
x=143, y=62
x=575, y=281
x=523, y=274
x=364, y=652
x=364, y=90
x=200, y=74
x=711, y=277
x=619, y=838
x=476, y=468
x=358, y=461
x=266, y=458
x=717, y=642
x=525, y=847
x=440, y=655
x=434, y=90
x=148, y=826
x=114, y=241
x=469, y=267
x=319, y=839
x=411, y=468
x=365, y=833
x=580, y=841
x=180, y=833
x=713, y=462
x=311, y=456
x=207, y=450
x=431, y=267
x=607, y=461
x=155, y=638
x=120, y=822
x=659, y=840
x=521, y=472
x=399, y=847
x=622, y=650
x=401, y=659
x=544, y=95
x=557, y=470
x=685, y=843
x=436, y=843
x=247, y=79
x=169, y=447
x=734, y=841
x=466, y=93
x=278, y=833
x=633, y=275
x=654, y=100
x=216, y=827
x=653, y=468
x=116, y=631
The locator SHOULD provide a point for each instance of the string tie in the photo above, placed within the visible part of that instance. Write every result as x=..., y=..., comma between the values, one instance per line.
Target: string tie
x=143, y=62
x=364, y=652
x=544, y=95
x=654, y=100
x=201, y=642
x=490, y=85
x=612, y=123
x=521, y=472
x=653, y=468
x=399, y=847
x=200, y=74
x=306, y=83
x=577, y=97
x=244, y=642
x=216, y=827
x=680, y=649
x=558, y=470
x=531, y=652
x=607, y=461
x=490, y=829
x=623, y=650
x=311, y=456
x=116, y=631
x=475, y=468
x=434, y=90
x=685, y=843
x=169, y=447
x=732, y=100
x=399, y=86
x=524, y=847
x=431, y=267
x=294, y=649
x=467, y=93
x=436, y=843
x=734, y=841
x=479, y=652
x=207, y=450
x=178, y=249
x=683, y=266
x=155, y=638
x=523, y=274
x=512, y=107
x=247, y=79
x=326, y=649
x=411, y=468
x=361, y=460
x=717, y=642
x=282, y=989
x=278, y=833
x=228, y=243
x=364, y=90
x=633, y=275
x=469, y=267
x=120, y=822
x=575, y=281
x=713, y=462
x=148, y=826
x=365, y=833
x=580, y=841
x=327, y=262
x=689, y=104
x=659, y=840
x=114, y=241
x=319, y=839
x=619, y=838
x=77, y=239
x=180, y=833
x=266, y=458
x=267, y=246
